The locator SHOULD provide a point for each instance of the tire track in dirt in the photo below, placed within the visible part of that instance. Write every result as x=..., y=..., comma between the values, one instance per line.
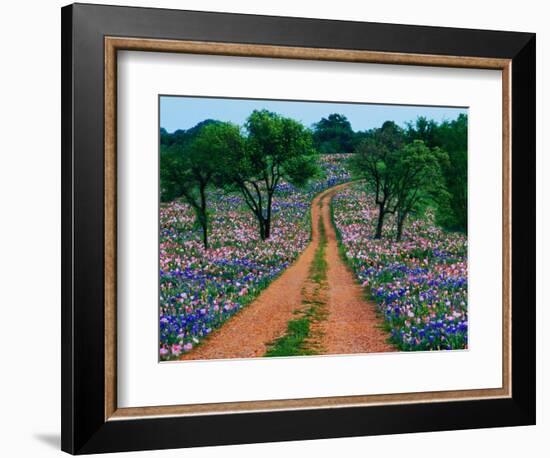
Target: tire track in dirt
x=352, y=325
x=248, y=333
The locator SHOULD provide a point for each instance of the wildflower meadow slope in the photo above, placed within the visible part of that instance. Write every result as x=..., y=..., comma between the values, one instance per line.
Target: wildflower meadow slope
x=419, y=285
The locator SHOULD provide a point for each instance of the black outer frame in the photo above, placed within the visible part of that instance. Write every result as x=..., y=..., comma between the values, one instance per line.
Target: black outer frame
x=84, y=429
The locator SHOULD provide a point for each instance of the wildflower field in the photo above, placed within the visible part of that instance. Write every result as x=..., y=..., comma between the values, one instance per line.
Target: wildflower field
x=419, y=284
x=245, y=192
x=200, y=289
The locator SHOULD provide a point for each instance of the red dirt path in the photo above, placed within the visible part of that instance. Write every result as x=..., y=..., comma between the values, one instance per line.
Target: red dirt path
x=351, y=326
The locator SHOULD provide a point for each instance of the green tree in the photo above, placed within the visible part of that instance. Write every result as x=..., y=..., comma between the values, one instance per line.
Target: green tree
x=375, y=162
x=187, y=171
x=418, y=180
x=422, y=129
x=333, y=135
x=276, y=148
x=452, y=137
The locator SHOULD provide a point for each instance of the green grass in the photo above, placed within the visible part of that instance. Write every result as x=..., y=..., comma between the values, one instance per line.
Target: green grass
x=294, y=341
x=318, y=272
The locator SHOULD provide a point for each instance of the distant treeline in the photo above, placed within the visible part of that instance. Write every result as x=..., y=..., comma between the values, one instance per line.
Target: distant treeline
x=334, y=134
x=407, y=169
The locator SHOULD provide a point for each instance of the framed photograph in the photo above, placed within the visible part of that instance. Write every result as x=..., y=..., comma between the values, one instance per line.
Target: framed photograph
x=283, y=228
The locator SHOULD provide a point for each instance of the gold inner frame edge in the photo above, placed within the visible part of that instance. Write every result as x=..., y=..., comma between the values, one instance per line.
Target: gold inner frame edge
x=114, y=44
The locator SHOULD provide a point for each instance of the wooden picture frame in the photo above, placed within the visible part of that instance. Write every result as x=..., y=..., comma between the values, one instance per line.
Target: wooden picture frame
x=91, y=37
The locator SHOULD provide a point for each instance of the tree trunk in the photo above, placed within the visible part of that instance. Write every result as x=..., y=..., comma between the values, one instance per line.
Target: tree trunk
x=261, y=225
x=400, y=222
x=203, y=218
x=267, y=219
x=205, y=235
x=380, y=224
x=401, y=218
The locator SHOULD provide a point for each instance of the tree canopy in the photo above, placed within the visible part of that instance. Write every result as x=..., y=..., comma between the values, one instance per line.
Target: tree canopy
x=401, y=172
x=189, y=168
x=376, y=162
x=183, y=137
x=333, y=135
x=405, y=169
x=275, y=148
x=418, y=179
x=452, y=137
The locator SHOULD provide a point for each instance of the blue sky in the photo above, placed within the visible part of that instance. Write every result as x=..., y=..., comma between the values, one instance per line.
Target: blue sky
x=177, y=112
